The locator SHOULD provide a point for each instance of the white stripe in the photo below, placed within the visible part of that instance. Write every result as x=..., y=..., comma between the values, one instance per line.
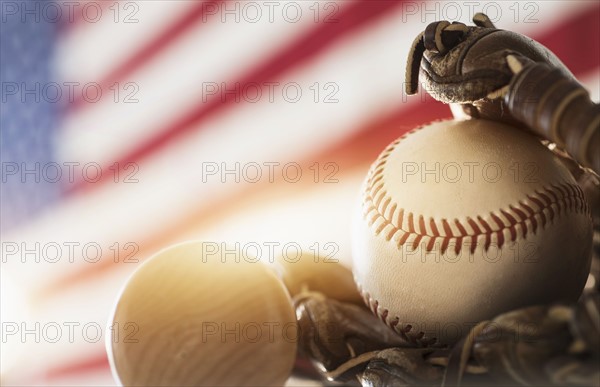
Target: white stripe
x=93, y=48
x=172, y=84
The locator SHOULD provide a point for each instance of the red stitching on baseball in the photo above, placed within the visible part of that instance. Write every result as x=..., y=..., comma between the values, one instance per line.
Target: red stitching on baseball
x=400, y=217
x=447, y=228
x=422, y=225
x=519, y=213
x=416, y=338
x=433, y=227
x=551, y=201
x=431, y=243
x=460, y=227
x=411, y=227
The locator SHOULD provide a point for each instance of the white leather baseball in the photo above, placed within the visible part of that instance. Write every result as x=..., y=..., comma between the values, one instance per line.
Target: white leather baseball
x=463, y=220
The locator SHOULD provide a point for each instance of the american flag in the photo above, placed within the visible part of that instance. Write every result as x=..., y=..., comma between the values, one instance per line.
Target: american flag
x=128, y=126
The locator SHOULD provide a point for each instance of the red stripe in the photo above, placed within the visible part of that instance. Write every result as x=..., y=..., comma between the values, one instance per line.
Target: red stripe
x=351, y=18
x=92, y=364
x=577, y=41
x=364, y=145
x=197, y=14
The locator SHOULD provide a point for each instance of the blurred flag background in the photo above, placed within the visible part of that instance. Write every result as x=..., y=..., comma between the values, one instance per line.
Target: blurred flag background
x=128, y=126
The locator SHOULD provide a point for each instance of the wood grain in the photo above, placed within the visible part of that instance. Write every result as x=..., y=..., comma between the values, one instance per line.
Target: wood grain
x=187, y=318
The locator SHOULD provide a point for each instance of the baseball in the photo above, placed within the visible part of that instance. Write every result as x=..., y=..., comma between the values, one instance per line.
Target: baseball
x=188, y=317
x=460, y=221
x=318, y=274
